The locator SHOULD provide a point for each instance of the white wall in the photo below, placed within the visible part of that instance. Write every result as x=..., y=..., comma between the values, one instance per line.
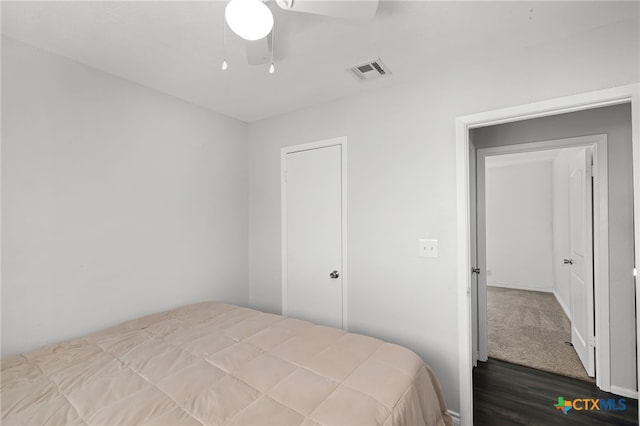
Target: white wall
x=519, y=225
x=402, y=182
x=117, y=201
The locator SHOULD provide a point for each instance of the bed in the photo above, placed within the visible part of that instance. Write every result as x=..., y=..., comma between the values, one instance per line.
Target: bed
x=213, y=363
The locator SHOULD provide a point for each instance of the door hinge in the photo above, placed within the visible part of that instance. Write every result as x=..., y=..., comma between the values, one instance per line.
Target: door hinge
x=592, y=341
x=475, y=270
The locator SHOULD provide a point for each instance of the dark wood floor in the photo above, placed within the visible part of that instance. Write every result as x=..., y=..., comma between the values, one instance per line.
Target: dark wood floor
x=509, y=394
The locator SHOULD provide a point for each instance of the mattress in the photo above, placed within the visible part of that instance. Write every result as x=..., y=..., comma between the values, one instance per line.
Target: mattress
x=219, y=364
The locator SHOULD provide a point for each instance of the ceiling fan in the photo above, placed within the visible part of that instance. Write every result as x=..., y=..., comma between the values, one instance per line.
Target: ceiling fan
x=252, y=20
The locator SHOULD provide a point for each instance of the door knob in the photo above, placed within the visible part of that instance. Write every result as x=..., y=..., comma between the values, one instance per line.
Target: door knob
x=568, y=261
x=334, y=275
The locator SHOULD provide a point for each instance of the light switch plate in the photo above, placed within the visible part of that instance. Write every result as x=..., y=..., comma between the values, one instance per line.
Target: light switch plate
x=428, y=248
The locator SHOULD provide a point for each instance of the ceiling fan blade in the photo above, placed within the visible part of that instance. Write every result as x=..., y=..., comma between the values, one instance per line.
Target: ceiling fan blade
x=360, y=10
x=259, y=51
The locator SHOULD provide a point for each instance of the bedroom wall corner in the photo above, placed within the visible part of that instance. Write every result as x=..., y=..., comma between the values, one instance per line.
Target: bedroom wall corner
x=117, y=201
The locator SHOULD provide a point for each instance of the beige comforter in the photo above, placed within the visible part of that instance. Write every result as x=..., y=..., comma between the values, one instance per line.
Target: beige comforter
x=213, y=363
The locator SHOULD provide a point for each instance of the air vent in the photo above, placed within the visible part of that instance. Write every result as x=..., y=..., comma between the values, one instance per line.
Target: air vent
x=370, y=70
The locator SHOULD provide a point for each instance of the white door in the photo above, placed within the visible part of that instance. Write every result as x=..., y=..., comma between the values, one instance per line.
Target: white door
x=314, y=279
x=475, y=303
x=581, y=258
x=481, y=256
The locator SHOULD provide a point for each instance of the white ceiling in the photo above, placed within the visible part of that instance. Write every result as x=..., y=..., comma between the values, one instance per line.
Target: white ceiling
x=177, y=47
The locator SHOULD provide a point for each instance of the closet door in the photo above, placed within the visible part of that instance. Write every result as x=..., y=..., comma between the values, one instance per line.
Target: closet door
x=313, y=235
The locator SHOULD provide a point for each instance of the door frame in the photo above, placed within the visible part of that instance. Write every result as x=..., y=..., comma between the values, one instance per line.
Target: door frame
x=600, y=241
x=342, y=142
x=585, y=101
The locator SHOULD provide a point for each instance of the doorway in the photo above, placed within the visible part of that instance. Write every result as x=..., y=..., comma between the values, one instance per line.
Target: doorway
x=535, y=268
x=615, y=359
x=313, y=188
x=626, y=95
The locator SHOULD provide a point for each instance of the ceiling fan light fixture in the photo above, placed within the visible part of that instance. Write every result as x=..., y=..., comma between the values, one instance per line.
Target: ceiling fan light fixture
x=250, y=19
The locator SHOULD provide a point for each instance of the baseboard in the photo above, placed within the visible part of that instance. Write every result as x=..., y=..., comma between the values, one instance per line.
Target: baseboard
x=519, y=287
x=628, y=393
x=565, y=308
x=455, y=417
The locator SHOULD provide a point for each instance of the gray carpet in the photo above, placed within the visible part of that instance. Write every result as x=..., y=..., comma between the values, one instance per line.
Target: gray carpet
x=530, y=328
